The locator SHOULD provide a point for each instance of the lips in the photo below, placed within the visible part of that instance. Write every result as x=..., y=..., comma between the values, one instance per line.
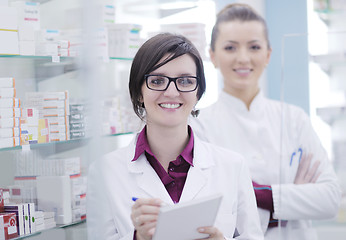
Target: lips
x=170, y=105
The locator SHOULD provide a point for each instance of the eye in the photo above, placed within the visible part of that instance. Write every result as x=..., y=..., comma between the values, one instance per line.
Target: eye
x=230, y=48
x=156, y=80
x=186, y=81
x=255, y=47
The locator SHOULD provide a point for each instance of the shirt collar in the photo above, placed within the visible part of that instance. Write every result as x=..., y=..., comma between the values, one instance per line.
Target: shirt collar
x=142, y=146
x=256, y=107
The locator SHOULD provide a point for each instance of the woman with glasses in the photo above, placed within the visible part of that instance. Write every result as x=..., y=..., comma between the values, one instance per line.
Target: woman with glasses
x=166, y=163
x=293, y=179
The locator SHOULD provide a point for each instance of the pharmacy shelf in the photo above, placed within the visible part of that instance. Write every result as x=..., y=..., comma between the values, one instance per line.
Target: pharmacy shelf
x=326, y=61
x=60, y=146
x=328, y=15
x=51, y=57
x=330, y=114
x=58, y=226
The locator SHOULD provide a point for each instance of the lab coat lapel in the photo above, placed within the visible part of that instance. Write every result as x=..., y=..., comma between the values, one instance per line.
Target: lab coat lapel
x=148, y=180
x=197, y=177
x=196, y=180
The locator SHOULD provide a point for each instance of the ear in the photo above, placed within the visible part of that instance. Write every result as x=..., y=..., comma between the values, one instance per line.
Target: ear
x=212, y=57
x=269, y=53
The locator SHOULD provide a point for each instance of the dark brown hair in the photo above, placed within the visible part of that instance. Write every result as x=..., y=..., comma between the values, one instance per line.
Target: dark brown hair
x=237, y=12
x=150, y=53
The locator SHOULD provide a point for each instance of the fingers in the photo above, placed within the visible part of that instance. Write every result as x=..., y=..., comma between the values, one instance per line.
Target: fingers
x=214, y=233
x=304, y=164
x=145, y=206
x=144, y=216
x=305, y=173
x=146, y=230
x=316, y=177
x=312, y=172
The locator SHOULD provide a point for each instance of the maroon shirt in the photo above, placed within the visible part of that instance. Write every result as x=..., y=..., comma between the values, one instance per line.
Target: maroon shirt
x=174, y=179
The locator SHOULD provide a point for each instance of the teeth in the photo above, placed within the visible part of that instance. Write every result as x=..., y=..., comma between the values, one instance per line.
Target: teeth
x=243, y=70
x=168, y=105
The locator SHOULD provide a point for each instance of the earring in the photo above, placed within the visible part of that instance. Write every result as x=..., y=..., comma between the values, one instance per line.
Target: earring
x=195, y=112
x=141, y=109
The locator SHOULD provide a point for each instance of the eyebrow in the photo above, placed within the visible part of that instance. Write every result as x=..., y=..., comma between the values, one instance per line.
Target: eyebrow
x=235, y=42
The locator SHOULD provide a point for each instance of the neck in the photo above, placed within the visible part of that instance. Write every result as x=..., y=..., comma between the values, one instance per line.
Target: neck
x=167, y=143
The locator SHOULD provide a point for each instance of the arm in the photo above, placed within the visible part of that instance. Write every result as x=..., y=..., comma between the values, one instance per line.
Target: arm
x=313, y=200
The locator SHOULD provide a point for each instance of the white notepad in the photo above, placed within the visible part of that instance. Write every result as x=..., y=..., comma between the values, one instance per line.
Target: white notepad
x=181, y=221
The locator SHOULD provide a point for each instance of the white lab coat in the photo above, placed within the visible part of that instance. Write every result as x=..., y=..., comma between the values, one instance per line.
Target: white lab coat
x=114, y=180
x=267, y=136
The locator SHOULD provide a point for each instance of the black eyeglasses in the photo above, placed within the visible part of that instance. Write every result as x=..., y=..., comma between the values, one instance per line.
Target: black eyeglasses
x=161, y=83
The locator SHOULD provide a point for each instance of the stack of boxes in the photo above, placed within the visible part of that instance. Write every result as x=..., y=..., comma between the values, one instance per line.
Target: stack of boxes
x=78, y=121
x=8, y=221
x=21, y=33
x=68, y=199
x=16, y=219
x=123, y=40
x=10, y=113
x=78, y=197
x=53, y=114
x=51, y=42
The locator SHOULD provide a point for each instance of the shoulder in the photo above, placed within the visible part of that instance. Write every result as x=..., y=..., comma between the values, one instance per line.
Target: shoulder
x=288, y=107
x=218, y=154
x=286, y=110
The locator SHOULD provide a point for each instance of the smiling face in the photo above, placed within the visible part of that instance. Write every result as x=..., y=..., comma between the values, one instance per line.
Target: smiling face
x=170, y=108
x=241, y=53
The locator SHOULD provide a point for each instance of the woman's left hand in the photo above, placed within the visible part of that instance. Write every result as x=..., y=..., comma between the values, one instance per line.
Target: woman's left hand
x=214, y=233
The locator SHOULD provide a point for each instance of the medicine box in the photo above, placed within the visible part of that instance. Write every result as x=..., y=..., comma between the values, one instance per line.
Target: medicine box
x=8, y=226
x=18, y=210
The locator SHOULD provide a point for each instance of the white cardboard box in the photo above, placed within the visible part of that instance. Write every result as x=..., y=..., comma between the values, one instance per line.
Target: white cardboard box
x=9, y=42
x=26, y=218
x=8, y=18
x=26, y=32
x=54, y=195
x=28, y=12
x=27, y=48
x=31, y=210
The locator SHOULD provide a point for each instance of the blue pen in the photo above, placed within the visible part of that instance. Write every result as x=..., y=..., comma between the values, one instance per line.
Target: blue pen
x=162, y=204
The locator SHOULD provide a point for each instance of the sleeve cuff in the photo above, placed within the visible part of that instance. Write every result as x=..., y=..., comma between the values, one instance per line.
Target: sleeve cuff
x=264, y=196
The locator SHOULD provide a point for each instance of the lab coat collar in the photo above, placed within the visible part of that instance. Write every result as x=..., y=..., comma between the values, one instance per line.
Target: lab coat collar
x=149, y=181
x=257, y=106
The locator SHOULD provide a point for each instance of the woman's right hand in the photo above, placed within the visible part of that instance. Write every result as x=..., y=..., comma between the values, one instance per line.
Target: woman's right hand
x=144, y=217
x=305, y=173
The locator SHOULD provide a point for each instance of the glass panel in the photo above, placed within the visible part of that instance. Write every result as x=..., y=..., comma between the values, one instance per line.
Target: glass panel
x=313, y=69
x=70, y=60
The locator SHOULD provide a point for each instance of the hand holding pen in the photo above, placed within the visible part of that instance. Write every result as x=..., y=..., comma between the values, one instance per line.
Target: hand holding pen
x=144, y=216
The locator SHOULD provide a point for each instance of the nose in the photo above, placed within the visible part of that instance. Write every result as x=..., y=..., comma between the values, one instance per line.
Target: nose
x=171, y=91
x=243, y=55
